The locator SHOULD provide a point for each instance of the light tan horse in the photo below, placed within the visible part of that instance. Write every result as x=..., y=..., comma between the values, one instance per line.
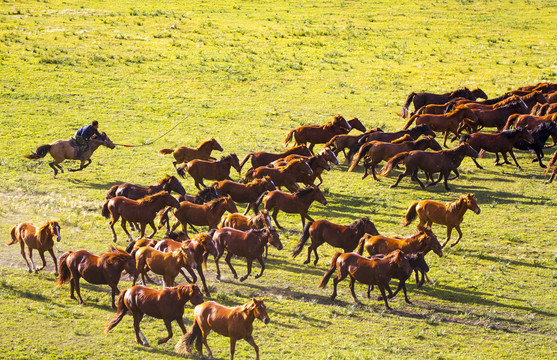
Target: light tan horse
x=61, y=150
x=186, y=154
x=166, y=264
x=39, y=238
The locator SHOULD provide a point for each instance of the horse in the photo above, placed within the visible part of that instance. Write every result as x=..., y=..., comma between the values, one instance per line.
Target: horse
x=449, y=214
x=528, y=121
x=61, y=150
x=249, y=244
x=203, y=196
x=551, y=163
x=356, y=124
x=262, y=158
x=235, y=323
x=424, y=98
x=184, y=154
x=211, y=170
x=317, y=163
x=316, y=134
x=103, y=269
x=297, y=203
x=502, y=142
x=367, y=271
x=376, y=151
x=540, y=135
x=341, y=236
x=166, y=264
x=244, y=193
x=285, y=176
x=39, y=238
x=442, y=162
x=136, y=192
x=498, y=117
x=344, y=141
x=142, y=211
x=245, y=223
x=167, y=304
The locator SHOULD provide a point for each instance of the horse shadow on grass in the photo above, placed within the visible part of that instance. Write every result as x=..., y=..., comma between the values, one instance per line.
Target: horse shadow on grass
x=94, y=185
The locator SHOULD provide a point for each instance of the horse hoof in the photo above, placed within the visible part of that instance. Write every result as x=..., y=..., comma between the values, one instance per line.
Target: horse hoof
x=56, y=274
x=244, y=278
x=307, y=261
x=257, y=276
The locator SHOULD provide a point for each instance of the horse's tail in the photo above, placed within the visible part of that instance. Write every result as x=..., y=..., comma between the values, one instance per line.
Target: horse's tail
x=13, y=239
x=165, y=219
x=184, y=346
x=394, y=161
x=105, y=211
x=303, y=239
x=181, y=170
x=361, y=244
x=363, y=150
x=120, y=312
x=288, y=138
x=407, y=104
x=111, y=192
x=40, y=152
x=411, y=214
x=510, y=121
x=63, y=269
x=258, y=201
x=130, y=246
x=166, y=151
x=331, y=270
x=245, y=159
x=410, y=121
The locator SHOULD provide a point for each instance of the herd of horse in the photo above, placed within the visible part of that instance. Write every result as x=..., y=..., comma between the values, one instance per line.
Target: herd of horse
x=248, y=237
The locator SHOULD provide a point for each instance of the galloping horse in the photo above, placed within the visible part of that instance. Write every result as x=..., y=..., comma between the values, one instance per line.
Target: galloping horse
x=186, y=154
x=167, y=304
x=498, y=117
x=317, y=134
x=297, y=203
x=245, y=193
x=203, y=196
x=104, y=269
x=235, y=323
x=528, y=121
x=249, y=244
x=61, y=150
x=341, y=236
x=551, y=163
x=424, y=98
x=286, y=176
x=318, y=163
x=211, y=170
x=540, y=135
x=245, y=223
x=161, y=263
x=343, y=141
x=449, y=214
x=136, y=192
x=40, y=238
x=356, y=124
x=263, y=158
x=142, y=211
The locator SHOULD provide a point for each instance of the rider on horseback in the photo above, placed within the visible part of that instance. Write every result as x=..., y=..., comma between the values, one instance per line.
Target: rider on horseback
x=84, y=134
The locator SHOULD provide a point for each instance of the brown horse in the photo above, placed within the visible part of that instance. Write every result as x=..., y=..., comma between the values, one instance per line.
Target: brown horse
x=551, y=163
x=424, y=98
x=367, y=271
x=61, y=150
x=249, y=244
x=297, y=203
x=161, y=263
x=245, y=223
x=39, y=238
x=343, y=141
x=498, y=117
x=356, y=124
x=141, y=211
x=502, y=142
x=286, y=176
x=442, y=162
x=318, y=164
x=167, y=304
x=318, y=134
x=211, y=170
x=263, y=158
x=341, y=236
x=528, y=121
x=449, y=214
x=103, y=269
x=245, y=193
x=186, y=154
x=423, y=241
x=235, y=323
x=136, y=192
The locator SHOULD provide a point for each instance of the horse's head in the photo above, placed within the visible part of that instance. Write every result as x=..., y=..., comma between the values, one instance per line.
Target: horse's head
x=174, y=184
x=401, y=261
x=208, y=244
x=428, y=241
x=230, y=205
x=469, y=151
x=479, y=93
x=424, y=129
x=171, y=200
x=471, y=203
x=235, y=162
x=368, y=226
x=433, y=144
x=321, y=162
x=266, y=218
x=192, y=292
x=417, y=261
x=319, y=196
x=341, y=123
x=329, y=155
x=300, y=165
x=107, y=142
x=54, y=229
x=269, y=185
x=215, y=145
x=187, y=255
x=524, y=133
x=355, y=123
x=259, y=310
x=273, y=238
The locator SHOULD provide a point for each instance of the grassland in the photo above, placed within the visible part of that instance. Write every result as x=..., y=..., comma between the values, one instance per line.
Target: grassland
x=245, y=72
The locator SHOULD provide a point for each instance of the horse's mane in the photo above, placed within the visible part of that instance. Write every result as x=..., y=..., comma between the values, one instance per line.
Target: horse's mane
x=227, y=157
x=167, y=178
x=303, y=192
x=214, y=202
x=506, y=101
x=149, y=199
x=454, y=206
x=509, y=133
x=41, y=228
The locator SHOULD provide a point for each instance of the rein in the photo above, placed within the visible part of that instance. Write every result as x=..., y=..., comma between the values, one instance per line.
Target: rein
x=151, y=142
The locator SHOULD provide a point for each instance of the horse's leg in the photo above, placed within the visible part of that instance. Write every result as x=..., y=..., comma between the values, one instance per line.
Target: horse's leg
x=30, y=253
x=194, y=229
x=248, y=263
x=551, y=177
x=77, y=287
x=445, y=139
x=457, y=228
x=539, y=156
x=59, y=167
x=137, y=317
x=316, y=256
x=186, y=277
x=260, y=259
x=51, y=252
x=514, y=158
x=457, y=174
x=477, y=165
x=72, y=289
x=202, y=276
x=22, y=245
x=204, y=334
x=415, y=178
x=403, y=289
x=449, y=231
x=152, y=224
x=384, y=297
x=115, y=292
x=217, y=263
x=180, y=322
x=352, y=291
x=446, y=177
x=52, y=165
x=123, y=225
x=250, y=341
x=227, y=259
x=398, y=180
x=41, y=254
x=112, y=222
x=274, y=216
x=168, y=324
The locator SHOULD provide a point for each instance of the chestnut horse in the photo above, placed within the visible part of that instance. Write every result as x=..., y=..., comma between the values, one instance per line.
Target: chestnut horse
x=551, y=163
x=297, y=203
x=528, y=121
x=244, y=193
x=367, y=271
x=103, y=269
x=286, y=176
x=61, y=150
x=141, y=211
x=167, y=304
x=245, y=223
x=498, y=117
x=318, y=134
x=502, y=142
x=39, y=238
x=203, y=196
x=136, y=192
x=343, y=141
x=318, y=163
x=449, y=214
x=166, y=264
x=424, y=98
x=341, y=236
x=186, y=154
x=263, y=158
x=249, y=244
x=356, y=124
x=235, y=323
x=211, y=170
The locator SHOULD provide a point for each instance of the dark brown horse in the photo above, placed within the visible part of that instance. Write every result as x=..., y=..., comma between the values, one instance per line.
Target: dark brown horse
x=318, y=134
x=167, y=304
x=502, y=142
x=263, y=158
x=186, y=154
x=498, y=117
x=203, y=196
x=356, y=124
x=141, y=211
x=424, y=98
x=245, y=193
x=211, y=170
x=235, y=323
x=297, y=203
x=285, y=176
x=345, y=237
x=442, y=162
x=249, y=244
x=39, y=238
x=103, y=269
x=136, y=192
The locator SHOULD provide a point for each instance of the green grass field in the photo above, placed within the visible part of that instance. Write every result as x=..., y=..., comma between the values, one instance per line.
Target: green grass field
x=246, y=72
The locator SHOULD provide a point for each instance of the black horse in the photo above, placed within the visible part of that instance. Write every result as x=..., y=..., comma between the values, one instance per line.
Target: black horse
x=540, y=134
